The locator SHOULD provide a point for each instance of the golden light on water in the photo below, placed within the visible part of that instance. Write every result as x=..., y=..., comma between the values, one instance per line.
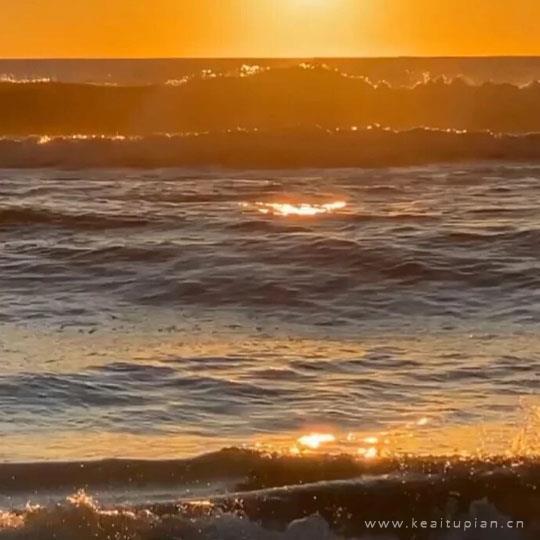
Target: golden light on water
x=423, y=436
x=368, y=453
x=296, y=209
x=315, y=440
x=325, y=442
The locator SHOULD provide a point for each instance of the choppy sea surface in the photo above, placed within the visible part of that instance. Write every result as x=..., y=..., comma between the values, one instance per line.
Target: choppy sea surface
x=225, y=325
x=165, y=313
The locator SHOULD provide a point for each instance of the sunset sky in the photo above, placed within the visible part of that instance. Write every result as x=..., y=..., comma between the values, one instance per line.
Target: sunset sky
x=177, y=28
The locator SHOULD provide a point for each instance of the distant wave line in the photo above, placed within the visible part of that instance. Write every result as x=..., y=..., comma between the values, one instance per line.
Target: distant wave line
x=300, y=147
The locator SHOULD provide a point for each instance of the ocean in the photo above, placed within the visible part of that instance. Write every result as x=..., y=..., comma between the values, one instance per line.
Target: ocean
x=269, y=299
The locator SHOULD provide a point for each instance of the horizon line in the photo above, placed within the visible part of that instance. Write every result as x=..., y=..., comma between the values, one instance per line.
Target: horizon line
x=267, y=58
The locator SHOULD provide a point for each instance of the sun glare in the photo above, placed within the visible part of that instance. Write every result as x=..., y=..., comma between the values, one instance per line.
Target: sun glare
x=315, y=440
x=297, y=209
x=306, y=4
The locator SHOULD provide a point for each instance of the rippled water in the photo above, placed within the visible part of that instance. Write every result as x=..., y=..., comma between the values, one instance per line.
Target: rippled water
x=168, y=312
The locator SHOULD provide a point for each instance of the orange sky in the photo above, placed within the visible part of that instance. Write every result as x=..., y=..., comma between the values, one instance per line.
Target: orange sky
x=162, y=28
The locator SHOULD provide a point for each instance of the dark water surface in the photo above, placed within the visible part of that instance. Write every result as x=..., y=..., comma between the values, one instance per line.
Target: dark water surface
x=192, y=309
x=387, y=315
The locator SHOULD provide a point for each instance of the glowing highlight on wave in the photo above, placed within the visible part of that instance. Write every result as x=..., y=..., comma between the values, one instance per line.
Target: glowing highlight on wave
x=297, y=209
x=315, y=440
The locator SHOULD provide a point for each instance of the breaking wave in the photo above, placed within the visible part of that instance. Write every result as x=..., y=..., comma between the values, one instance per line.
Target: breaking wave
x=278, y=497
x=259, y=116
x=264, y=98
x=297, y=147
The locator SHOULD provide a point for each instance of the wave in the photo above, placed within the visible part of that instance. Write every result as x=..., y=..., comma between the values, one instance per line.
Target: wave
x=254, y=471
x=391, y=264
x=49, y=217
x=403, y=71
x=264, y=98
x=277, y=497
x=299, y=147
x=82, y=518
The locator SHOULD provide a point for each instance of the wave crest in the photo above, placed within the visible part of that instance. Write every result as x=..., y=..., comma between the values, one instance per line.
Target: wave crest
x=265, y=98
x=279, y=148
x=82, y=518
x=284, y=498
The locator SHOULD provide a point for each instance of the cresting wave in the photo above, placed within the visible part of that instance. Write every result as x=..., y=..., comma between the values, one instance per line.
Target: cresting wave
x=82, y=518
x=276, y=496
x=264, y=98
x=299, y=147
x=301, y=115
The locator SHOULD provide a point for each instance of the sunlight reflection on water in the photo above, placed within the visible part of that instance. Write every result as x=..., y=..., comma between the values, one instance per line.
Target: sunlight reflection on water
x=296, y=209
